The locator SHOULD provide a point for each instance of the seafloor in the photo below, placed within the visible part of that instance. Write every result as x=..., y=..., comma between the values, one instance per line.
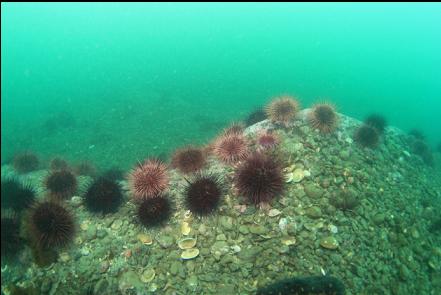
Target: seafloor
x=361, y=215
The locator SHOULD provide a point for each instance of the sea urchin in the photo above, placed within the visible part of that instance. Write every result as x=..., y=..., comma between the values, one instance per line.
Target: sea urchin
x=104, y=195
x=61, y=184
x=51, y=225
x=231, y=147
x=282, y=109
x=259, y=178
x=376, y=121
x=154, y=211
x=11, y=241
x=267, y=140
x=26, y=162
x=367, y=136
x=189, y=160
x=203, y=194
x=148, y=179
x=323, y=117
x=16, y=195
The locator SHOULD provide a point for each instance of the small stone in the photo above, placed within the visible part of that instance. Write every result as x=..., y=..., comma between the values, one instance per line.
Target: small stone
x=226, y=222
x=333, y=229
x=257, y=229
x=84, y=225
x=64, y=257
x=104, y=266
x=379, y=218
x=298, y=175
x=274, y=212
x=76, y=201
x=117, y=224
x=220, y=247
x=313, y=191
x=175, y=267
x=288, y=241
x=91, y=232
x=329, y=243
x=313, y=212
x=221, y=237
x=84, y=251
x=243, y=230
x=165, y=241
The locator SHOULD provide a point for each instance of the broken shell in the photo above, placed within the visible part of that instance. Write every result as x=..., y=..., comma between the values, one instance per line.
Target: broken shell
x=289, y=177
x=190, y=253
x=288, y=241
x=329, y=243
x=187, y=243
x=274, y=212
x=145, y=239
x=148, y=275
x=187, y=215
x=185, y=228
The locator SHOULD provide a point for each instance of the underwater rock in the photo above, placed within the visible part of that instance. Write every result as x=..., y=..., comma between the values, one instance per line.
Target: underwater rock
x=305, y=285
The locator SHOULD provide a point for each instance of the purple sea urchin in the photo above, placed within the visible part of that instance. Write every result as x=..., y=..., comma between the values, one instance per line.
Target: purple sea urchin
x=203, y=194
x=259, y=178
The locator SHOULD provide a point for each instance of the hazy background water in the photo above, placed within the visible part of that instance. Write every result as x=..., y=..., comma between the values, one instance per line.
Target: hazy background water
x=114, y=83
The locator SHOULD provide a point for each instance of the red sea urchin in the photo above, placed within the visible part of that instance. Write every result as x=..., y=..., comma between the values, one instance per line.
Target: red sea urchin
x=267, y=140
x=148, y=179
x=203, y=194
x=154, y=211
x=231, y=147
x=61, y=184
x=189, y=160
x=50, y=225
x=282, y=109
x=259, y=178
x=323, y=117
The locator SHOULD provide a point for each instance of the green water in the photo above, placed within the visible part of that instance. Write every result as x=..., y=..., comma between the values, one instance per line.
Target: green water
x=114, y=83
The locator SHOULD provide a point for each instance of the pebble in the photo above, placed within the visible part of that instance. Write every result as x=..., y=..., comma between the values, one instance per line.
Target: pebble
x=76, y=201
x=117, y=224
x=274, y=212
x=104, y=266
x=165, y=241
x=313, y=191
x=243, y=229
x=313, y=212
x=329, y=243
x=226, y=222
x=258, y=229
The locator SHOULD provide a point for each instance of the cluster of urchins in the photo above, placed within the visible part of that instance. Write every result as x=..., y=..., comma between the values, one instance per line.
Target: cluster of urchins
x=257, y=176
